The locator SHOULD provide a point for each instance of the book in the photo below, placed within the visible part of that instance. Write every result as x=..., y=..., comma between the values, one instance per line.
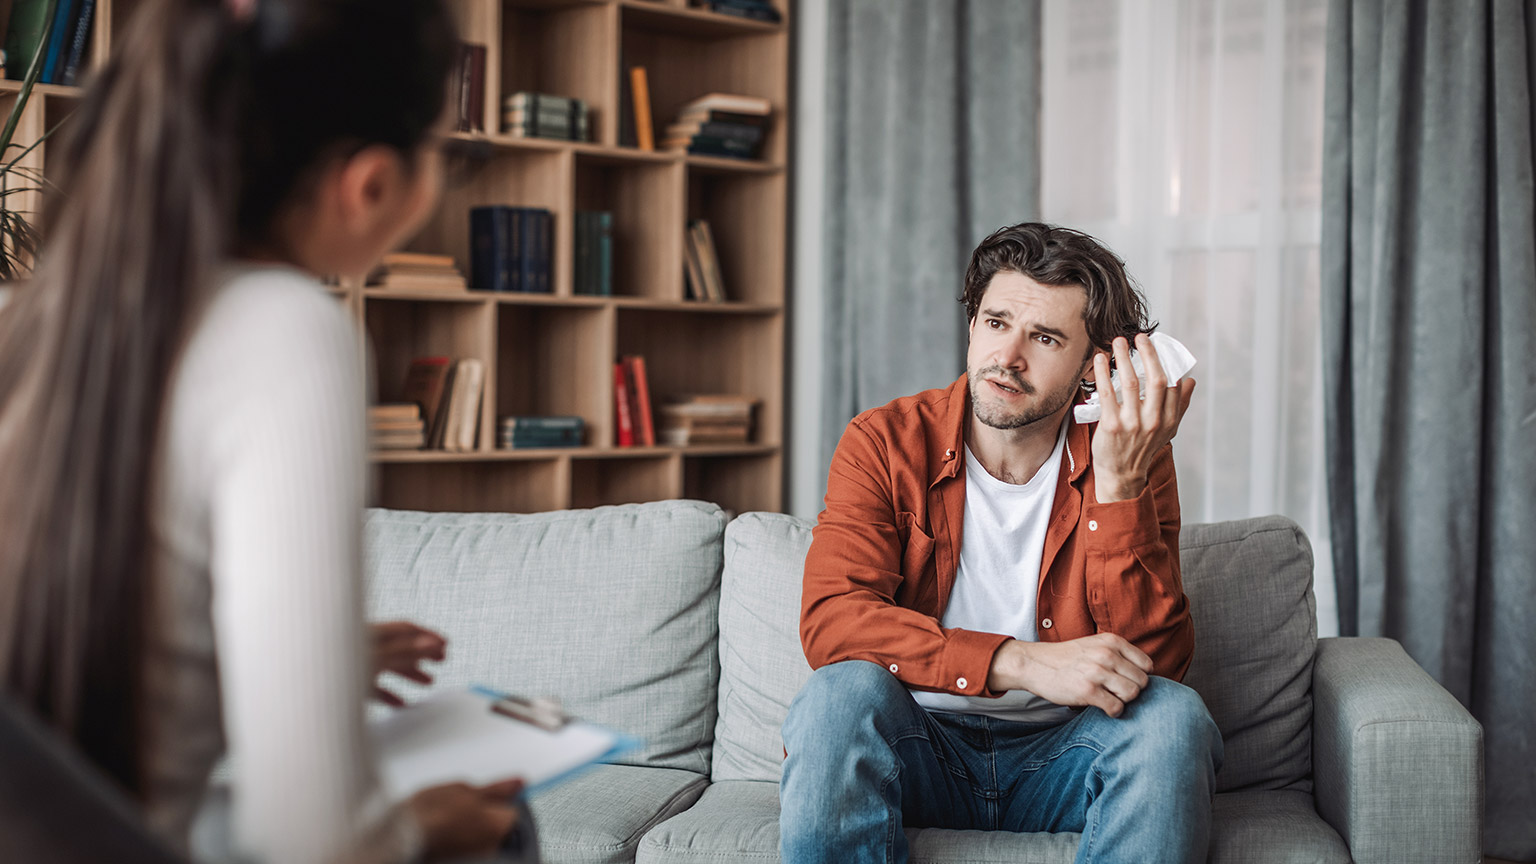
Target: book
x=510, y=248
x=707, y=115
x=593, y=271
x=58, y=34
x=416, y=259
x=527, y=432
x=705, y=433
x=411, y=271
x=463, y=424
x=467, y=88
x=716, y=129
x=624, y=426
x=692, y=271
x=426, y=383
x=709, y=262
x=78, y=40
x=25, y=35
x=733, y=148
x=640, y=93
x=754, y=11
x=394, y=412
x=478, y=736
x=640, y=400
x=732, y=102
x=490, y=232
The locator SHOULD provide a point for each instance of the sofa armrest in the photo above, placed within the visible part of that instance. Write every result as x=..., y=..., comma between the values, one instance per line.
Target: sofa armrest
x=1397, y=761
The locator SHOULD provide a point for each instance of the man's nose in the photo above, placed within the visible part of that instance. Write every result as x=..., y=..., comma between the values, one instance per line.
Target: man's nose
x=1010, y=354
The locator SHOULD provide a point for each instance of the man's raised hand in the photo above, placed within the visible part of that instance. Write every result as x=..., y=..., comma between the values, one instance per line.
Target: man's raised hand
x=1132, y=430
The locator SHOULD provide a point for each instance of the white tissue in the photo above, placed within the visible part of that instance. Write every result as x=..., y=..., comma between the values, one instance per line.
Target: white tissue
x=1176, y=360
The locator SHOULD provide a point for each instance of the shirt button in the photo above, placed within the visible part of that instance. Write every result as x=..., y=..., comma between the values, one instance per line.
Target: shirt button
x=949, y=454
x=1046, y=624
x=961, y=683
x=1093, y=525
x=893, y=668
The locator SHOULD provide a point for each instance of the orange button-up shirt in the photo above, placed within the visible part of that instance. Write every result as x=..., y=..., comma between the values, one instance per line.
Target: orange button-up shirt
x=884, y=552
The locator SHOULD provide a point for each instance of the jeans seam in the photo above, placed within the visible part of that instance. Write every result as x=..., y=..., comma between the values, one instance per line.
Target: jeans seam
x=1092, y=829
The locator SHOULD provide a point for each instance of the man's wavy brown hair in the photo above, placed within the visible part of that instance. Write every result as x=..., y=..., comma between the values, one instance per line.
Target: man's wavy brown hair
x=1052, y=255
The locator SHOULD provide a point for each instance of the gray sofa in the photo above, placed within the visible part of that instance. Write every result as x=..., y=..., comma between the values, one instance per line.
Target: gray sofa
x=666, y=622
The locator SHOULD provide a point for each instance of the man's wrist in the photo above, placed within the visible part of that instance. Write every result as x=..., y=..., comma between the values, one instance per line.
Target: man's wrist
x=1114, y=489
x=1008, y=667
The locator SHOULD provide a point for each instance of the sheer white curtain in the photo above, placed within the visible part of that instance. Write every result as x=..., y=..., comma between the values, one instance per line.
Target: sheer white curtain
x=1188, y=136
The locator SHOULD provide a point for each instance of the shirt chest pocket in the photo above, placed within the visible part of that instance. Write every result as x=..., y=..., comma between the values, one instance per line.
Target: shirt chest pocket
x=916, y=547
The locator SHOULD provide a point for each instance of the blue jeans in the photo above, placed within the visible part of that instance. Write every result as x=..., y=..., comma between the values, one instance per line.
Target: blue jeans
x=865, y=759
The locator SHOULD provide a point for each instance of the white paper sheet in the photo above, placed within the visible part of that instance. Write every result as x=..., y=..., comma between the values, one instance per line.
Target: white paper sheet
x=454, y=736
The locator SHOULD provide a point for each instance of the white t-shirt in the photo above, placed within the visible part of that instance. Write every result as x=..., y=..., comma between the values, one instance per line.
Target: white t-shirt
x=998, y=579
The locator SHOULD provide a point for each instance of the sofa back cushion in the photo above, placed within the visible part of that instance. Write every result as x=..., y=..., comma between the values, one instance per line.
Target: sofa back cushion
x=613, y=610
x=1249, y=586
x=762, y=666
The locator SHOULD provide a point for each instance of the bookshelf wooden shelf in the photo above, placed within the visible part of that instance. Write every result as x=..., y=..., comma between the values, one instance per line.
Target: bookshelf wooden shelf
x=554, y=353
x=549, y=354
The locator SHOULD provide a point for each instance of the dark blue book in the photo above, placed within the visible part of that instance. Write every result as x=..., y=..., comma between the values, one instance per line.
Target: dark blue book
x=543, y=253
x=77, y=42
x=491, y=253
x=603, y=241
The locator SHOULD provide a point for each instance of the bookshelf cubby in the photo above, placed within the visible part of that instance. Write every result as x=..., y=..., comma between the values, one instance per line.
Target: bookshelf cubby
x=553, y=354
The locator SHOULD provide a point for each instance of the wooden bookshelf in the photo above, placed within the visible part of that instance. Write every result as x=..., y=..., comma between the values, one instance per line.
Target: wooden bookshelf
x=553, y=353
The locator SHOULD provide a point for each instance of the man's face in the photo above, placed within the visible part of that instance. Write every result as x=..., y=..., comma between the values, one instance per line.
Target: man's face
x=1028, y=350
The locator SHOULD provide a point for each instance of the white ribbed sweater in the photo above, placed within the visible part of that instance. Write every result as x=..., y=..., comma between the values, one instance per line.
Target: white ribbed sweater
x=258, y=639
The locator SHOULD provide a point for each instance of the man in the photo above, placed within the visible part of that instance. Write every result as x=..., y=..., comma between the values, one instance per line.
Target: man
x=992, y=598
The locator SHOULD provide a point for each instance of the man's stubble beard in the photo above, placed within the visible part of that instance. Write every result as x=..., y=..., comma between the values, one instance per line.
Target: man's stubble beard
x=991, y=413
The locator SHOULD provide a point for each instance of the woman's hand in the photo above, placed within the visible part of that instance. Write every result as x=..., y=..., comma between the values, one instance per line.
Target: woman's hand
x=460, y=822
x=401, y=647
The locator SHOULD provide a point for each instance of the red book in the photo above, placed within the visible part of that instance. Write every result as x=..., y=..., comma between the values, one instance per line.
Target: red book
x=426, y=384
x=645, y=429
x=626, y=430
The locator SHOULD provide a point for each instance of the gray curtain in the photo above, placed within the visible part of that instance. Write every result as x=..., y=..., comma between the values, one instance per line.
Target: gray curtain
x=931, y=145
x=1429, y=294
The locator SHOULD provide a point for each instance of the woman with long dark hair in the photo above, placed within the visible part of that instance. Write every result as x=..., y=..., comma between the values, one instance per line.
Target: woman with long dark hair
x=181, y=423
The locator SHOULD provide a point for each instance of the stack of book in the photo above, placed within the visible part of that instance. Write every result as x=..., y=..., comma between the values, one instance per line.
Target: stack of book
x=594, y=253
x=757, y=10
x=701, y=264
x=720, y=124
x=706, y=419
x=632, y=403
x=448, y=394
x=540, y=115
x=59, y=32
x=510, y=249
x=414, y=271
x=519, y=433
x=396, y=426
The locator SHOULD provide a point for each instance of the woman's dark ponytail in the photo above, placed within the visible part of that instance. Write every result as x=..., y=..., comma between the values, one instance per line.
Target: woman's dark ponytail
x=204, y=126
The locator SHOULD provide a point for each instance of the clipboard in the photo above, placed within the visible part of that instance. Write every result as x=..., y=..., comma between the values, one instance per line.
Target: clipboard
x=478, y=736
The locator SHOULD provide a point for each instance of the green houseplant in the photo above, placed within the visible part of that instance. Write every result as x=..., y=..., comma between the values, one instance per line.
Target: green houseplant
x=18, y=236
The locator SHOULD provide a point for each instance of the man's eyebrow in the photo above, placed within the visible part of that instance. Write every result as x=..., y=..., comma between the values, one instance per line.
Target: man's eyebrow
x=997, y=313
x=1052, y=331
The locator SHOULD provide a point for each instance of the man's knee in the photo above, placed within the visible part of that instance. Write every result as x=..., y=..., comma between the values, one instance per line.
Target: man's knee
x=1174, y=719
x=842, y=696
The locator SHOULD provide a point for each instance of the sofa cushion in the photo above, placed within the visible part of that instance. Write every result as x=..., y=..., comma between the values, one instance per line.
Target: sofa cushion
x=613, y=610
x=599, y=816
x=1249, y=584
x=739, y=821
x=762, y=666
